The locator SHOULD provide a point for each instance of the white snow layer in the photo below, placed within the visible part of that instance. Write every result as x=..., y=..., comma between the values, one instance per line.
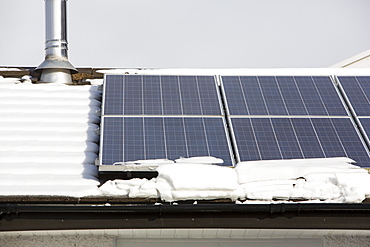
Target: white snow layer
x=330, y=179
x=48, y=139
x=196, y=181
x=305, y=180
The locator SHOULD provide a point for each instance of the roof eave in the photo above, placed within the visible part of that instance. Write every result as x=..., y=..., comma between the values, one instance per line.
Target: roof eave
x=18, y=217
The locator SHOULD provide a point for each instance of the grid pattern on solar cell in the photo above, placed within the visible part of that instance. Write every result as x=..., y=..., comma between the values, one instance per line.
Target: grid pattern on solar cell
x=291, y=138
x=137, y=138
x=365, y=123
x=282, y=96
x=357, y=90
x=161, y=95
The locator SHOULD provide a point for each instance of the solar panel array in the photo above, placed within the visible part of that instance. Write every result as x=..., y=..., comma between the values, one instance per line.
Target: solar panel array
x=156, y=117
x=266, y=117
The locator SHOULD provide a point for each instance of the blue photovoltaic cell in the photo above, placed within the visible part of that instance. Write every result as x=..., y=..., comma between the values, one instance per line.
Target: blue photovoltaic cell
x=171, y=97
x=209, y=96
x=351, y=144
x=272, y=95
x=331, y=143
x=282, y=95
x=328, y=96
x=236, y=101
x=112, y=143
x=288, y=142
x=113, y=101
x=291, y=96
x=190, y=96
x=253, y=96
x=307, y=138
x=245, y=138
x=365, y=122
x=132, y=95
x=151, y=95
x=357, y=89
x=137, y=138
x=265, y=137
x=292, y=138
x=314, y=102
x=161, y=95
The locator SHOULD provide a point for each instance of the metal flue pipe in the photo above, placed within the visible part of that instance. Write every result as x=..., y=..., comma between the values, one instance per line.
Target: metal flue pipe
x=56, y=67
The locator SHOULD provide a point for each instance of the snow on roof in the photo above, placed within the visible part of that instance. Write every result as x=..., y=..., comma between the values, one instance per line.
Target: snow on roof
x=9, y=69
x=48, y=146
x=48, y=139
x=243, y=71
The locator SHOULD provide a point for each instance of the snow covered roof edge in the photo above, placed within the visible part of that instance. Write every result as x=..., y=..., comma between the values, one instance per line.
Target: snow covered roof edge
x=244, y=71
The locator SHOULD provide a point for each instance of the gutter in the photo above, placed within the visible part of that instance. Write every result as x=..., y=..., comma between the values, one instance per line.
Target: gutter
x=21, y=217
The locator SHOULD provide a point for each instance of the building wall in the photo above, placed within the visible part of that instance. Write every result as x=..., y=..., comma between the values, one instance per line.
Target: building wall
x=346, y=241
x=111, y=241
x=55, y=241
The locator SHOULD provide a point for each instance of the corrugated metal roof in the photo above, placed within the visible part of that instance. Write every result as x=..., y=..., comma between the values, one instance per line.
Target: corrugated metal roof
x=48, y=139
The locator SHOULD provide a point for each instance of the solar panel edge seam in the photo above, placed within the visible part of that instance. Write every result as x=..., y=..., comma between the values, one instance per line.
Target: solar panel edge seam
x=229, y=128
x=219, y=94
x=227, y=122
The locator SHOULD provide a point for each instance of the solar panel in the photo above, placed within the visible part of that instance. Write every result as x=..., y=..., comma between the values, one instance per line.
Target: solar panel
x=161, y=95
x=282, y=96
x=288, y=138
x=138, y=138
x=156, y=117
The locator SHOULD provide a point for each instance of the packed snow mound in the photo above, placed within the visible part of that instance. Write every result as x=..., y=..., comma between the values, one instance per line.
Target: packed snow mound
x=48, y=139
x=200, y=160
x=334, y=180
x=9, y=81
x=150, y=164
x=133, y=188
x=264, y=170
x=153, y=164
x=326, y=179
x=186, y=181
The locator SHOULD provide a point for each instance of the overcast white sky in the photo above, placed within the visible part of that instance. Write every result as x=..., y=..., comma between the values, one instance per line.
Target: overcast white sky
x=191, y=33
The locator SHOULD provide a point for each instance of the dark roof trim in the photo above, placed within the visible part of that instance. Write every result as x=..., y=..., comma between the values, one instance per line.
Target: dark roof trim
x=88, y=200
x=17, y=217
x=83, y=73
